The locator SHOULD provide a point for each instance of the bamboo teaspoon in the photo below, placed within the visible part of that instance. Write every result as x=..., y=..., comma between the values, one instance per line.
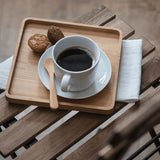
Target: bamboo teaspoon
x=48, y=64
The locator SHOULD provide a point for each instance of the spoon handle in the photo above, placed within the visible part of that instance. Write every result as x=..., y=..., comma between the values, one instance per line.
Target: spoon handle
x=53, y=96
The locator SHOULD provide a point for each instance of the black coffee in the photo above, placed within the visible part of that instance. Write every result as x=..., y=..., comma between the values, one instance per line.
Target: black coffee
x=75, y=59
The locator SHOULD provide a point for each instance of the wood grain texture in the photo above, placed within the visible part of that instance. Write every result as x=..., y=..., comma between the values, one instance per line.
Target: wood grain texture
x=84, y=152
x=148, y=57
x=89, y=15
x=7, y=110
x=92, y=17
x=150, y=72
x=67, y=132
x=148, y=47
x=63, y=137
x=128, y=32
x=124, y=134
x=30, y=130
x=28, y=152
x=123, y=26
x=24, y=73
x=86, y=149
x=106, y=16
x=27, y=128
x=13, y=12
x=90, y=149
x=20, y=141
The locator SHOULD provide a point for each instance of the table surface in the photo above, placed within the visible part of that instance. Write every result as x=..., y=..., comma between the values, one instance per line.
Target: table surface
x=67, y=128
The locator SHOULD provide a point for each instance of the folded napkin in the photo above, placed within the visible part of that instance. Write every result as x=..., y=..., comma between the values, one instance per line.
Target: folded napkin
x=129, y=75
x=130, y=71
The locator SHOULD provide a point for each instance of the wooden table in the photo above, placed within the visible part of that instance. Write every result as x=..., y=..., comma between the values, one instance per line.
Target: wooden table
x=21, y=133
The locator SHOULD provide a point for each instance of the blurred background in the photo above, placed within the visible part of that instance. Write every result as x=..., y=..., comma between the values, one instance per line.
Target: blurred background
x=142, y=15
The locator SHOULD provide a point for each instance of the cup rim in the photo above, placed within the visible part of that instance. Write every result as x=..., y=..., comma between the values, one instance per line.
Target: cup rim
x=76, y=72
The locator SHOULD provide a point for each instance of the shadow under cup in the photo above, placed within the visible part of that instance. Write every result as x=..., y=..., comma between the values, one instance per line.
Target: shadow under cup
x=76, y=80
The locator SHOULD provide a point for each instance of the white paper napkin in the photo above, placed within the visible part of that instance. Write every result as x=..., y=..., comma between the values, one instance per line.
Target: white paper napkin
x=129, y=75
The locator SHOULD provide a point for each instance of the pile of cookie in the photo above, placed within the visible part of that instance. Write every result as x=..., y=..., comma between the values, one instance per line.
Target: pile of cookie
x=39, y=42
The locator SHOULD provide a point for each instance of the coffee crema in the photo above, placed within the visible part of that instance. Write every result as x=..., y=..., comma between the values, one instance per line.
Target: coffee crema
x=75, y=59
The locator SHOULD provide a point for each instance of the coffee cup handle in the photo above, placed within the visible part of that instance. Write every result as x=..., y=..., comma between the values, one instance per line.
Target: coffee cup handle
x=65, y=82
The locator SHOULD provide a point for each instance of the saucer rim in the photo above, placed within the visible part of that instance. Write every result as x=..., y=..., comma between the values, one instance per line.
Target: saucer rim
x=73, y=97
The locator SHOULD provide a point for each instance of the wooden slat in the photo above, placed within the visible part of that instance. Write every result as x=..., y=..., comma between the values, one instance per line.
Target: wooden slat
x=142, y=120
x=9, y=132
x=73, y=131
x=123, y=26
x=28, y=127
x=7, y=110
x=153, y=65
x=97, y=16
x=44, y=142
x=77, y=136
x=148, y=57
x=94, y=122
x=87, y=16
x=150, y=72
x=54, y=152
x=21, y=141
x=105, y=15
x=148, y=47
x=90, y=149
x=63, y=137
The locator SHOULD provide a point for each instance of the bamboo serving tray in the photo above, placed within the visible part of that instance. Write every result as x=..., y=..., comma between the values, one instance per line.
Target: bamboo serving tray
x=24, y=85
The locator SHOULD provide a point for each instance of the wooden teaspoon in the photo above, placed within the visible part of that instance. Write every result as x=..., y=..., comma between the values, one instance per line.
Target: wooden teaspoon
x=48, y=64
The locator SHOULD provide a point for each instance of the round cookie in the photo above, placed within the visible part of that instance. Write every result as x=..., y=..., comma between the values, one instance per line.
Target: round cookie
x=54, y=34
x=38, y=43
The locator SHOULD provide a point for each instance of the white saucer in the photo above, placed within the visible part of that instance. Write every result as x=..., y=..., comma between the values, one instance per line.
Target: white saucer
x=102, y=78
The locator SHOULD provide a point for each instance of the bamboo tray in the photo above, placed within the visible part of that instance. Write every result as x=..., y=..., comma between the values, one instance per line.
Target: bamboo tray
x=24, y=85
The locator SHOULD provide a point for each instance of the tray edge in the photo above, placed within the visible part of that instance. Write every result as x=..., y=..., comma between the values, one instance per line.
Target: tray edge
x=13, y=98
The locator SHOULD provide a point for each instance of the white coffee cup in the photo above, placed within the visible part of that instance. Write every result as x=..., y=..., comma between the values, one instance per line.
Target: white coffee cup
x=75, y=80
